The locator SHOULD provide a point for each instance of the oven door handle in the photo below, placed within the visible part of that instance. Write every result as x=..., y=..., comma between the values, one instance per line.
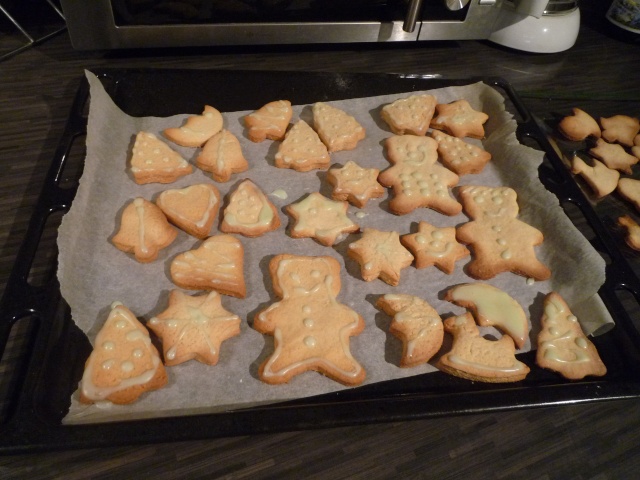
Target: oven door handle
x=410, y=20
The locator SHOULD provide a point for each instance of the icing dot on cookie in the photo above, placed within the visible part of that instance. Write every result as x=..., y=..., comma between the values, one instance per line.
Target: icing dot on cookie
x=138, y=353
x=126, y=366
x=108, y=345
x=306, y=309
x=315, y=273
x=134, y=335
x=530, y=281
x=501, y=241
x=121, y=324
x=572, y=318
x=368, y=266
x=496, y=228
x=581, y=342
x=172, y=323
x=416, y=175
x=308, y=322
x=310, y=341
x=506, y=255
x=553, y=331
x=421, y=239
x=107, y=364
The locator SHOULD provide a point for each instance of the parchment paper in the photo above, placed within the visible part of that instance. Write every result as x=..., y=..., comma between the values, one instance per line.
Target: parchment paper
x=93, y=273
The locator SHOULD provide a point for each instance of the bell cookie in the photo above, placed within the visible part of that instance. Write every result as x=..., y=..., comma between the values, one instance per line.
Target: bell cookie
x=601, y=179
x=435, y=246
x=153, y=161
x=337, y=129
x=354, y=184
x=562, y=345
x=311, y=329
x=629, y=189
x=302, y=150
x=492, y=307
x=270, y=121
x=632, y=229
x=197, y=129
x=416, y=324
x=380, y=255
x=192, y=209
x=249, y=212
x=411, y=115
x=579, y=125
x=123, y=364
x=144, y=231
x=222, y=156
x=194, y=327
x=217, y=264
x=499, y=241
x=620, y=129
x=320, y=218
x=460, y=157
x=613, y=156
x=416, y=179
x=459, y=119
x=475, y=358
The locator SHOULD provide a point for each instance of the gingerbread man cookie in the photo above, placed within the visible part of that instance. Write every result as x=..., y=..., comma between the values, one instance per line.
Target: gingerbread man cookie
x=435, y=246
x=355, y=184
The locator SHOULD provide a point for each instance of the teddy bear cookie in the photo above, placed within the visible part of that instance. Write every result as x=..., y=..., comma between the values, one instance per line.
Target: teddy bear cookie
x=311, y=329
x=270, y=121
x=217, y=264
x=411, y=115
x=123, y=364
x=337, y=129
x=144, y=231
x=302, y=150
x=194, y=327
x=562, y=345
x=416, y=179
x=579, y=125
x=613, y=156
x=197, y=129
x=460, y=157
x=153, y=161
x=354, y=184
x=435, y=246
x=500, y=242
x=380, y=255
x=192, y=209
x=249, y=212
x=620, y=129
x=222, y=156
x=416, y=324
x=601, y=179
x=459, y=119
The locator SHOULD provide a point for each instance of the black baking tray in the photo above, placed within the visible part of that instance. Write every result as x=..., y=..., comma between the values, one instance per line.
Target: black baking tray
x=57, y=349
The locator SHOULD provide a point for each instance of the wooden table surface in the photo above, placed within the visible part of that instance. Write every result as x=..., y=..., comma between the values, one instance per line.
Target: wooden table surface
x=579, y=441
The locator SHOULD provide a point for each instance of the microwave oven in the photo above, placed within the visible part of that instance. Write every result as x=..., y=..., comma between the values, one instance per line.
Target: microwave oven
x=121, y=24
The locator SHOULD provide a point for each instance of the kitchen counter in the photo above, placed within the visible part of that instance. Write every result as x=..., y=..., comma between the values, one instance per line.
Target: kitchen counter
x=594, y=440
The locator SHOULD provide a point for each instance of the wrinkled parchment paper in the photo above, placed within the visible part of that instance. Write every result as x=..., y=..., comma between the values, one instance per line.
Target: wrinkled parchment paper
x=93, y=273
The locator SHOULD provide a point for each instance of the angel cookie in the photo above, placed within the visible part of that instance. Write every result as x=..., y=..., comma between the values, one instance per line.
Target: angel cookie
x=435, y=246
x=194, y=327
x=192, y=209
x=459, y=119
x=249, y=212
x=153, y=161
x=197, y=129
x=355, y=184
x=302, y=150
x=270, y=121
x=337, y=129
x=410, y=115
x=222, y=156
x=311, y=329
x=416, y=179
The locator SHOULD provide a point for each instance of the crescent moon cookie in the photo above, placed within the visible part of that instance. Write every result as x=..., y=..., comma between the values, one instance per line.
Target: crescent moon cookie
x=320, y=218
x=416, y=179
x=435, y=246
x=192, y=209
x=460, y=157
x=337, y=129
x=217, y=264
x=562, y=346
x=302, y=150
x=249, y=212
x=270, y=121
x=153, y=161
x=355, y=184
x=475, y=358
x=492, y=307
x=416, y=324
x=459, y=119
x=601, y=179
x=380, y=255
x=197, y=129
x=194, y=327
x=222, y=156
x=410, y=115
x=579, y=125
x=124, y=364
x=620, y=128
x=311, y=329
x=613, y=156
x=144, y=231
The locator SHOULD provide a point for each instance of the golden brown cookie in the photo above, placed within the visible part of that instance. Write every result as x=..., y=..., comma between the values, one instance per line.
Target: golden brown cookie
x=435, y=246
x=270, y=121
x=337, y=129
x=249, y=212
x=416, y=324
x=144, y=231
x=302, y=150
x=354, y=184
x=459, y=119
x=579, y=125
x=197, y=129
x=632, y=236
x=629, y=189
x=411, y=115
x=602, y=179
x=217, y=264
x=124, y=364
x=620, y=129
x=194, y=327
x=153, y=161
x=192, y=209
x=460, y=157
x=613, y=156
x=635, y=150
x=562, y=346
x=222, y=156
x=311, y=329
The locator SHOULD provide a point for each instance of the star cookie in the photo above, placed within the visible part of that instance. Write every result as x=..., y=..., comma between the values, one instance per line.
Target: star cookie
x=337, y=129
x=416, y=324
x=302, y=150
x=620, y=128
x=249, y=212
x=459, y=156
x=602, y=179
x=613, y=156
x=410, y=115
x=355, y=184
x=318, y=217
x=222, y=156
x=217, y=264
x=435, y=246
x=311, y=329
x=153, y=161
x=192, y=209
x=197, y=129
x=459, y=119
x=194, y=327
x=380, y=255
x=270, y=121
